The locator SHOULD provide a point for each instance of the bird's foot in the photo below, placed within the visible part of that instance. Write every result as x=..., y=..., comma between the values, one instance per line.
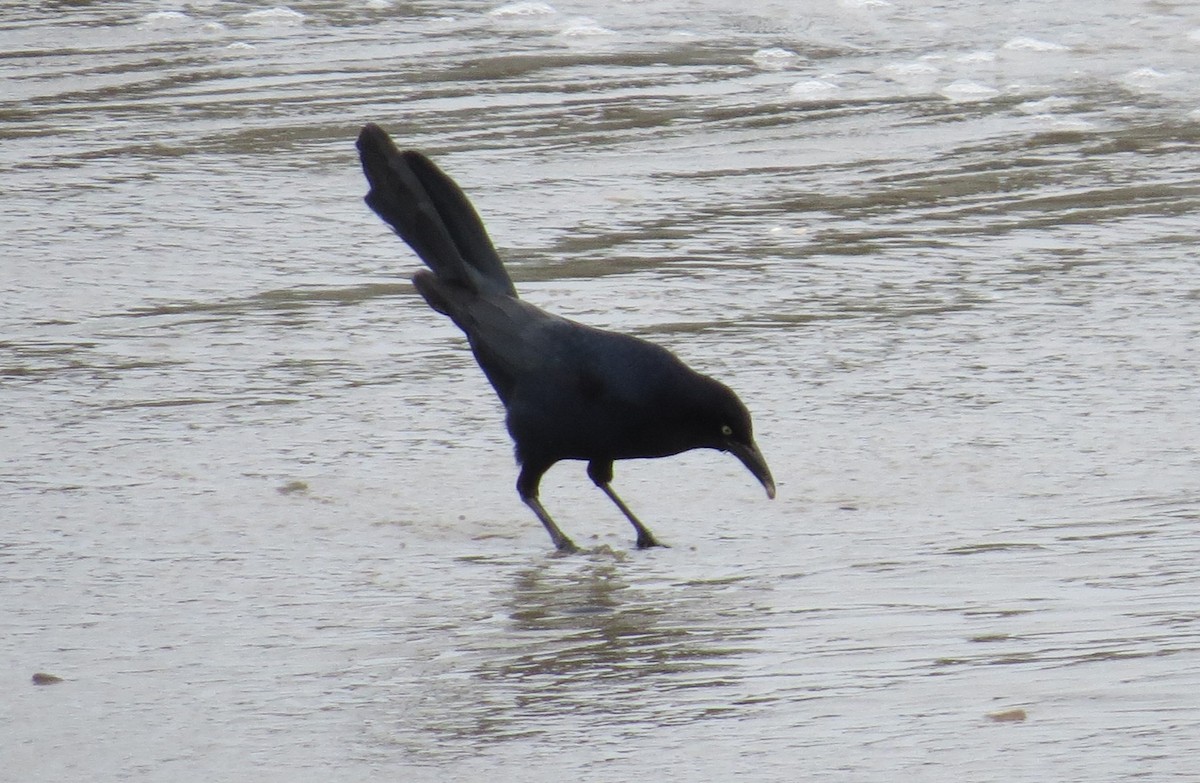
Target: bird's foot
x=646, y=540
x=565, y=546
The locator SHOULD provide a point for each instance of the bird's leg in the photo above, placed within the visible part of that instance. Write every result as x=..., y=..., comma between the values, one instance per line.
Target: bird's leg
x=561, y=542
x=645, y=539
x=601, y=475
x=527, y=487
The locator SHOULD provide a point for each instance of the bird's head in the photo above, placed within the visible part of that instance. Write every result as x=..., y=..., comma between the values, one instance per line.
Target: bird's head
x=728, y=428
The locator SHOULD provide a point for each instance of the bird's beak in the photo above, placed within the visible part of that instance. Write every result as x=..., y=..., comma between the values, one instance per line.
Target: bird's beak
x=752, y=458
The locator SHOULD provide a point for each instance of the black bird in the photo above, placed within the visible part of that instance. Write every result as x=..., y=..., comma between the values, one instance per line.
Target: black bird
x=571, y=391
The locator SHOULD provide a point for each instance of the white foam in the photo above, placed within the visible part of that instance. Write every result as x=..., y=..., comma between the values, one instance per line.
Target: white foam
x=1046, y=105
x=813, y=90
x=969, y=58
x=964, y=91
x=279, y=15
x=1057, y=123
x=583, y=27
x=161, y=19
x=1025, y=43
x=1146, y=79
x=525, y=8
x=922, y=70
x=1146, y=74
x=786, y=231
x=865, y=4
x=775, y=58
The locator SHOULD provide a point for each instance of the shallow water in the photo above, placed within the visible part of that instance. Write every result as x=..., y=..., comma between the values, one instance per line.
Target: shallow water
x=257, y=502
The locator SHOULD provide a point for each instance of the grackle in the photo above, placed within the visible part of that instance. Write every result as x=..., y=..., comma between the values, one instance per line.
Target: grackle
x=570, y=391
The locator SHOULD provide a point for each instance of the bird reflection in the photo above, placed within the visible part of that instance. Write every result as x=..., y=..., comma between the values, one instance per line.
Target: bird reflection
x=589, y=622
x=597, y=640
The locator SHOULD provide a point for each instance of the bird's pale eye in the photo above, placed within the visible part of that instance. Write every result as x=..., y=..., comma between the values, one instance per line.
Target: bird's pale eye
x=726, y=430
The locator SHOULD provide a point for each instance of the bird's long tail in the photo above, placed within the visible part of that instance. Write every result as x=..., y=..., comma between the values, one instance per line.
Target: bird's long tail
x=431, y=213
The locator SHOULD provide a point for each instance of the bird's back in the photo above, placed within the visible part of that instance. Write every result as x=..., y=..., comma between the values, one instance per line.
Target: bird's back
x=574, y=390
x=593, y=394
